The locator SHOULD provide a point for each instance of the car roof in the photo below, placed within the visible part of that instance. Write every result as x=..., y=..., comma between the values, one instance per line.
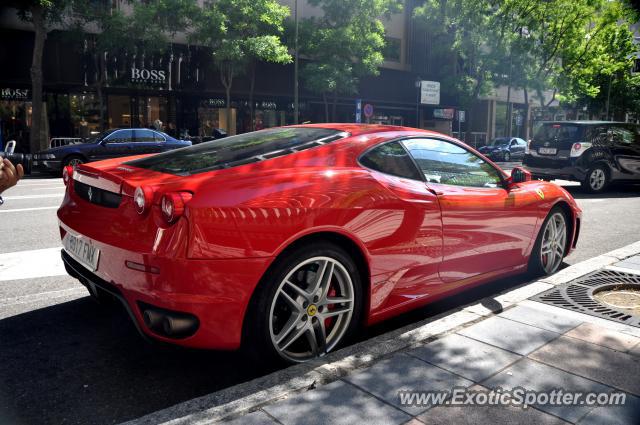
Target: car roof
x=355, y=129
x=586, y=122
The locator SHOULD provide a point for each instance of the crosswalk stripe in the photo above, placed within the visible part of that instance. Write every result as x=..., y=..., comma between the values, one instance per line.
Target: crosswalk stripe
x=31, y=264
x=46, y=195
x=27, y=209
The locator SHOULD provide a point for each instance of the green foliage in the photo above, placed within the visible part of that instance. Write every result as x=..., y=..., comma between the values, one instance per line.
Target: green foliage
x=344, y=44
x=242, y=31
x=564, y=45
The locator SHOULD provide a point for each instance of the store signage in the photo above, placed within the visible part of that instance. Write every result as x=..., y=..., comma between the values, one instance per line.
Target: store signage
x=216, y=103
x=14, y=94
x=147, y=76
x=430, y=92
x=446, y=114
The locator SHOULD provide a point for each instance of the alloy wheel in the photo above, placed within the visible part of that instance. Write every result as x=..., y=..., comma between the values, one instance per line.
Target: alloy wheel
x=74, y=162
x=597, y=179
x=312, y=309
x=507, y=156
x=554, y=241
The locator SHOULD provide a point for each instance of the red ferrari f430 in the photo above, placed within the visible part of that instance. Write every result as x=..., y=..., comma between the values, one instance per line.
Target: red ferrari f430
x=288, y=240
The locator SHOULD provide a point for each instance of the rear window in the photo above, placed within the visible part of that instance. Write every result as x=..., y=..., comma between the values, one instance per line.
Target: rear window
x=559, y=132
x=238, y=150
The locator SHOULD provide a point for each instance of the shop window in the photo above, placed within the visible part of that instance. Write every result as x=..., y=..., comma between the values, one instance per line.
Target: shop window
x=15, y=121
x=392, y=49
x=84, y=113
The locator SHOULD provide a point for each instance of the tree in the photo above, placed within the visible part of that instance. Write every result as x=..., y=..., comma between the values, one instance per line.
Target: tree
x=343, y=45
x=240, y=33
x=43, y=16
x=563, y=45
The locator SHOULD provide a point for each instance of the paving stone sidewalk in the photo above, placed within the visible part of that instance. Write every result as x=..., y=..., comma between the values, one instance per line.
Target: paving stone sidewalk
x=530, y=345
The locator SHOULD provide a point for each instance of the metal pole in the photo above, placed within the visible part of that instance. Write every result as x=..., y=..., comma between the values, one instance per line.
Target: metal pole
x=609, y=95
x=418, y=86
x=296, y=107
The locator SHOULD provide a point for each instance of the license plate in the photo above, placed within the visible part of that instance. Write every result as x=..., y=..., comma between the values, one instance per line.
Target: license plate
x=82, y=250
x=547, y=151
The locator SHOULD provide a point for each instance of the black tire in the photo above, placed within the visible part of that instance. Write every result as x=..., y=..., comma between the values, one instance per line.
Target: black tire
x=257, y=343
x=597, y=179
x=73, y=160
x=507, y=157
x=535, y=267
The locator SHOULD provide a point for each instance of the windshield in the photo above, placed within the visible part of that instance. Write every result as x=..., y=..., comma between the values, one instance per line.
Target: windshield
x=238, y=150
x=500, y=141
x=561, y=132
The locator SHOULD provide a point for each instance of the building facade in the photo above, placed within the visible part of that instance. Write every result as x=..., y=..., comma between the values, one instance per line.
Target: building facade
x=86, y=91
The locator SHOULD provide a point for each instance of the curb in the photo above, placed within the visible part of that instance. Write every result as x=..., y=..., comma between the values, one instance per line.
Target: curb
x=246, y=397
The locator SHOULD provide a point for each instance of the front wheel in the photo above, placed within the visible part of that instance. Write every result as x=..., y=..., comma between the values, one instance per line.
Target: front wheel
x=551, y=244
x=74, y=161
x=308, y=305
x=507, y=157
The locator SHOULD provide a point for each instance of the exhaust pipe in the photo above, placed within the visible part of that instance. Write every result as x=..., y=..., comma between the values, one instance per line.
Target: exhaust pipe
x=177, y=326
x=170, y=324
x=152, y=318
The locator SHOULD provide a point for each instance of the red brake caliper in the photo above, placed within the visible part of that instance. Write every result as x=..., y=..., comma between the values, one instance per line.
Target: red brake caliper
x=329, y=321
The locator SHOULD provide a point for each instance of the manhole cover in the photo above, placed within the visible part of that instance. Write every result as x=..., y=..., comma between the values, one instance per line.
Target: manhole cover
x=625, y=297
x=609, y=294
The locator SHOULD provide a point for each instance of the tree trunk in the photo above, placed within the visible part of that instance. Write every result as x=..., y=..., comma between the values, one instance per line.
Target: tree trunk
x=226, y=76
x=37, y=142
x=326, y=107
x=251, y=88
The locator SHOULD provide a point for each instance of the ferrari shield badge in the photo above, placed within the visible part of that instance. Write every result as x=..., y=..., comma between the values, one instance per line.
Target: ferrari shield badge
x=540, y=193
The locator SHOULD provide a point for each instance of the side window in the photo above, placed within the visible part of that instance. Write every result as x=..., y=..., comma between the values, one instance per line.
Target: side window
x=391, y=158
x=145, y=136
x=157, y=137
x=447, y=163
x=121, y=136
x=622, y=136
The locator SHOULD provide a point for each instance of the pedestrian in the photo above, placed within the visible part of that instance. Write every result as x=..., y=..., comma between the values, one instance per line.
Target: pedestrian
x=9, y=175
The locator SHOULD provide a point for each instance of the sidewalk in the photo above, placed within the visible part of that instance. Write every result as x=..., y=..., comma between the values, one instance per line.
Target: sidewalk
x=505, y=341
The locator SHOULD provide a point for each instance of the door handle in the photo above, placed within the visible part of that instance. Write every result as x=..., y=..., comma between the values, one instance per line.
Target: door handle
x=435, y=191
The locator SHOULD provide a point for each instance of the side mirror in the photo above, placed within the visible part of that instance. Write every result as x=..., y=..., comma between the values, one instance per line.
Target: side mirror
x=519, y=175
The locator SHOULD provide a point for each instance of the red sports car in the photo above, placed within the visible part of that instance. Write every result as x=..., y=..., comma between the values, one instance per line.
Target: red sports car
x=287, y=240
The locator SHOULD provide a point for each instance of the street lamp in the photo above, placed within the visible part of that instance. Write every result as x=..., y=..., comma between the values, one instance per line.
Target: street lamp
x=296, y=107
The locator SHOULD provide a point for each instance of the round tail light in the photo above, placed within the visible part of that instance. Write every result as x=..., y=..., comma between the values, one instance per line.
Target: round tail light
x=172, y=205
x=67, y=174
x=577, y=146
x=142, y=198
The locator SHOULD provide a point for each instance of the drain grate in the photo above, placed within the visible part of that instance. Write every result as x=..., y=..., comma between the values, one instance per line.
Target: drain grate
x=577, y=295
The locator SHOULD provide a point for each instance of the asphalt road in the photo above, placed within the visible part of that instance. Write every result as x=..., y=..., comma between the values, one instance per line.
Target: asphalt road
x=64, y=359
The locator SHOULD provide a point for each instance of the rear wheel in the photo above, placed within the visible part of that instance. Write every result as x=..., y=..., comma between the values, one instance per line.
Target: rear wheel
x=507, y=157
x=597, y=179
x=551, y=244
x=306, y=307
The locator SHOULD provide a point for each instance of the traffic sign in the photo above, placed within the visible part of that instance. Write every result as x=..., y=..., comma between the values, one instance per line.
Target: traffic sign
x=368, y=110
x=358, y=110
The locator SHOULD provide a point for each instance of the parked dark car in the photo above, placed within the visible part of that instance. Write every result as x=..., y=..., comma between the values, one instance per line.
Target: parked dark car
x=504, y=148
x=594, y=153
x=109, y=144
